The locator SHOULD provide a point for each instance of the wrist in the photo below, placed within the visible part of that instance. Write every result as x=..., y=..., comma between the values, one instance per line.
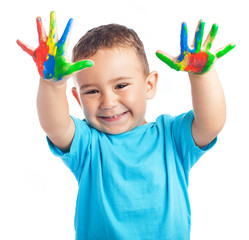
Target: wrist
x=206, y=75
x=52, y=84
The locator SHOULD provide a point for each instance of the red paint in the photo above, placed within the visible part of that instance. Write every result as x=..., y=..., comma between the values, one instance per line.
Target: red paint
x=41, y=32
x=40, y=56
x=197, y=61
x=25, y=48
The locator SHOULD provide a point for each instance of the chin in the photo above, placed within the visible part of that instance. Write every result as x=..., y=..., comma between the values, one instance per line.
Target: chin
x=115, y=127
x=114, y=131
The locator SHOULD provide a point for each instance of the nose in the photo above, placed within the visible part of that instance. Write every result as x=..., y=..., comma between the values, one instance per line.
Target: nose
x=108, y=101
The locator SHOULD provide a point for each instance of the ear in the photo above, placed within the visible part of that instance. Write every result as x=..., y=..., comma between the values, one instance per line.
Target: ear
x=151, y=82
x=76, y=95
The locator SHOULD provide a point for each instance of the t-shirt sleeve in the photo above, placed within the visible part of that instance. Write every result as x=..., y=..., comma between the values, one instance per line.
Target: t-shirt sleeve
x=76, y=156
x=187, y=150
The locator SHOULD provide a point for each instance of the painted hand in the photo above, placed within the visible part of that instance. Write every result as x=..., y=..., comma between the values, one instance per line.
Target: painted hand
x=50, y=56
x=199, y=59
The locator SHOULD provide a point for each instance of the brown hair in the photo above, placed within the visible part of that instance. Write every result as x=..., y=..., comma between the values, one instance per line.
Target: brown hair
x=108, y=36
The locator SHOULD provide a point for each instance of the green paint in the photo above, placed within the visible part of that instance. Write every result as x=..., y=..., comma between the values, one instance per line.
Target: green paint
x=196, y=60
x=212, y=35
x=79, y=66
x=225, y=50
x=50, y=55
x=199, y=36
x=168, y=61
x=209, y=64
x=63, y=68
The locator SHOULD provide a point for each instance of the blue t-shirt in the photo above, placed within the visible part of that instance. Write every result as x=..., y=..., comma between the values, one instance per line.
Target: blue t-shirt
x=133, y=186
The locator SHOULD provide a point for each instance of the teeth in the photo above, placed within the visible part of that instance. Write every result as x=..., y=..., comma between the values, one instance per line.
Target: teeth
x=116, y=115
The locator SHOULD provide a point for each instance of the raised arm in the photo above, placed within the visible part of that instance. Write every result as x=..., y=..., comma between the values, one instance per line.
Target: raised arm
x=207, y=93
x=54, y=70
x=209, y=106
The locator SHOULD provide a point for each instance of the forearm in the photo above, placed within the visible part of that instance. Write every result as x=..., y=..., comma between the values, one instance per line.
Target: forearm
x=209, y=106
x=53, y=112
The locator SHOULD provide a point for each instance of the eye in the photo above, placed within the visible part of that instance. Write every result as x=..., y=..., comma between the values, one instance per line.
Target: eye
x=92, y=92
x=119, y=86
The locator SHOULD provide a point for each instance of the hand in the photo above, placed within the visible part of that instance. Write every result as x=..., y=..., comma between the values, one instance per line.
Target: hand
x=50, y=56
x=199, y=59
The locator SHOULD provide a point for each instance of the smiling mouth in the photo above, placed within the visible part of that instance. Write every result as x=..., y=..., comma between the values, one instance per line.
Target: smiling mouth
x=114, y=117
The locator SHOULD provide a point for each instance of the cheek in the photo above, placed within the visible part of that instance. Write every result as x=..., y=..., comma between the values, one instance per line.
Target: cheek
x=89, y=106
x=135, y=98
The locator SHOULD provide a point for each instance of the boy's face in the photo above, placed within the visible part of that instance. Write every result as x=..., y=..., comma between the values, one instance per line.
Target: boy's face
x=114, y=91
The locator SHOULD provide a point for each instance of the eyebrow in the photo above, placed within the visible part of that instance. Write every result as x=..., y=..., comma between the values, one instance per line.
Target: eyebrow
x=87, y=85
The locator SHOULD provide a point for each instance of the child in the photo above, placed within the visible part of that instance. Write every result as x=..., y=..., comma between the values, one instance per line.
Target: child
x=132, y=175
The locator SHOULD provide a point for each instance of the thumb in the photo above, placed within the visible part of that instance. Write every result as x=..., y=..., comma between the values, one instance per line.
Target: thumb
x=80, y=65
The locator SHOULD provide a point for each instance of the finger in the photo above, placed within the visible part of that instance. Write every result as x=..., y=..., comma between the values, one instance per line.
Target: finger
x=66, y=34
x=199, y=36
x=221, y=52
x=168, y=59
x=52, y=37
x=25, y=48
x=80, y=65
x=210, y=38
x=41, y=31
x=184, y=41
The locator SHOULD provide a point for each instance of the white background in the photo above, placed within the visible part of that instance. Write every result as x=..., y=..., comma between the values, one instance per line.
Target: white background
x=38, y=192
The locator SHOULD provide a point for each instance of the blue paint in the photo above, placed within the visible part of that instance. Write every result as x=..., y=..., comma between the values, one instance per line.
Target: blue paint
x=65, y=33
x=198, y=37
x=49, y=67
x=184, y=42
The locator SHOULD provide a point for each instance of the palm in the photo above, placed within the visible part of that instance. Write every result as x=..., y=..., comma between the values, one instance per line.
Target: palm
x=199, y=59
x=50, y=56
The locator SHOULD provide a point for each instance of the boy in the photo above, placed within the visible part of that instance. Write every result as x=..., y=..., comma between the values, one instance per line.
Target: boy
x=132, y=175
